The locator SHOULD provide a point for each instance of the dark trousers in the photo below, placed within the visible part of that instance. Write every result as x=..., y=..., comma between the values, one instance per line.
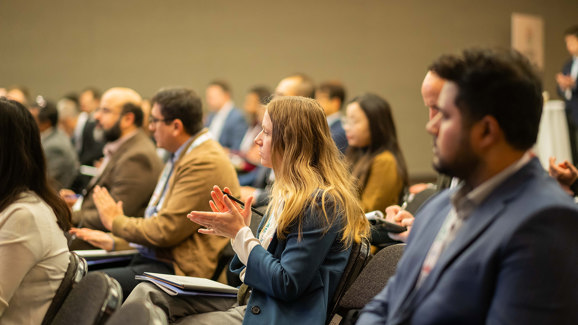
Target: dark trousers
x=573, y=135
x=138, y=265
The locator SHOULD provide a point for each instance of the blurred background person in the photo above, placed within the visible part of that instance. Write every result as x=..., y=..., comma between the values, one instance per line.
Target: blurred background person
x=331, y=96
x=298, y=84
x=33, y=251
x=374, y=153
x=225, y=122
x=246, y=160
x=20, y=94
x=68, y=111
x=61, y=160
x=88, y=140
x=567, y=88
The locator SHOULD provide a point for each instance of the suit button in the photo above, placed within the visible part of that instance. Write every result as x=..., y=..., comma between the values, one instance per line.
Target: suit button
x=256, y=310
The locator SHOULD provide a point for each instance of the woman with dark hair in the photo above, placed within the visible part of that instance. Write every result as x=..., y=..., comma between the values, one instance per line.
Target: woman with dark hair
x=33, y=250
x=374, y=153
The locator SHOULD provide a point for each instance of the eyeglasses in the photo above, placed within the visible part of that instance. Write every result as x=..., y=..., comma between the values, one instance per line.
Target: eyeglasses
x=154, y=120
x=104, y=110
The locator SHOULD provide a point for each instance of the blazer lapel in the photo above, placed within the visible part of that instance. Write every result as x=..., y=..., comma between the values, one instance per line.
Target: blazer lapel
x=490, y=209
x=112, y=162
x=421, y=239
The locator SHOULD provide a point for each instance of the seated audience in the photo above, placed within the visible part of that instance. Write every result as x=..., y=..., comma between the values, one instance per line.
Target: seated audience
x=501, y=248
x=298, y=84
x=33, y=252
x=331, y=96
x=225, y=122
x=374, y=153
x=87, y=137
x=130, y=168
x=246, y=160
x=20, y=94
x=68, y=112
x=295, y=261
x=61, y=159
x=166, y=240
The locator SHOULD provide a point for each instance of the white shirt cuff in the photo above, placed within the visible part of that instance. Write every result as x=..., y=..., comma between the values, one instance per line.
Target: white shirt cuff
x=244, y=243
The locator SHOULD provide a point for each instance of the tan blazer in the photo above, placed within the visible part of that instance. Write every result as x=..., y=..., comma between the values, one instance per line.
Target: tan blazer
x=130, y=176
x=175, y=236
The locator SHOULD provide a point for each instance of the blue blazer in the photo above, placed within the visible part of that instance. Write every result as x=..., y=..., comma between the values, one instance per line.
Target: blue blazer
x=293, y=280
x=572, y=104
x=234, y=129
x=515, y=261
x=338, y=135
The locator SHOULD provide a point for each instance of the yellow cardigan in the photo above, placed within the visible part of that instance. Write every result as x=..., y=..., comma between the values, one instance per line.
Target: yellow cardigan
x=384, y=184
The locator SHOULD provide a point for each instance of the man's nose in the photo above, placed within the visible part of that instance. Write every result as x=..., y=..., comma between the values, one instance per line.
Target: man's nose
x=432, y=126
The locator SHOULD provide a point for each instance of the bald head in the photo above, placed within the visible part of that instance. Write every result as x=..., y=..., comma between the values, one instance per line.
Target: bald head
x=430, y=91
x=119, y=96
x=120, y=112
x=296, y=85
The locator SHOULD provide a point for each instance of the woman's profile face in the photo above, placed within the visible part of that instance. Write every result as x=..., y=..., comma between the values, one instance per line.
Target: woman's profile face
x=264, y=141
x=356, y=126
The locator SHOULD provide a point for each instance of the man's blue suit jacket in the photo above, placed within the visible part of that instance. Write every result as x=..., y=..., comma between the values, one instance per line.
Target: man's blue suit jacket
x=338, y=135
x=514, y=261
x=294, y=279
x=572, y=104
x=233, y=130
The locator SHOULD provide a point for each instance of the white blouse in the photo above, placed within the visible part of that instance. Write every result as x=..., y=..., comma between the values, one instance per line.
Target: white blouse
x=33, y=259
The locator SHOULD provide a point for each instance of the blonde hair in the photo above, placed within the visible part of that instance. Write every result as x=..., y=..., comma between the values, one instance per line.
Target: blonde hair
x=308, y=166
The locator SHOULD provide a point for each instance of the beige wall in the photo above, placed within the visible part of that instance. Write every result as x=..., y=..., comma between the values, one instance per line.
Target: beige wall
x=384, y=46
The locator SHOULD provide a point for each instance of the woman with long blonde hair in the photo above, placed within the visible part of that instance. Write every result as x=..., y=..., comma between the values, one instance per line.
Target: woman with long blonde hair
x=295, y=262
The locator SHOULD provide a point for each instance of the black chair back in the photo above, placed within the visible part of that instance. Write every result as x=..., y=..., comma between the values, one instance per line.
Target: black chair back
x=360, y=256
x=91, y=302
x=76, y=270
x=369, y=283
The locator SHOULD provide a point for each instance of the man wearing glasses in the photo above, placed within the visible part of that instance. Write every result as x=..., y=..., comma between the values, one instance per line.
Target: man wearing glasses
x=167, y=241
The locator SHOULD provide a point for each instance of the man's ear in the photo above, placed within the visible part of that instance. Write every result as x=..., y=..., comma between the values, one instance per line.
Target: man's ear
x=127, y=119
x=487, y=131
x=178, y=127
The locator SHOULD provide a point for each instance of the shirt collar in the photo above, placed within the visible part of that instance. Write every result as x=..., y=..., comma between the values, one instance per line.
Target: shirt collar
x=179, y=151
x=466, y=199
x=224, y=111
x=333, y=118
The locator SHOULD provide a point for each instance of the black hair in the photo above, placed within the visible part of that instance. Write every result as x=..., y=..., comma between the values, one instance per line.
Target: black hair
x=136, y=110
x=334, y=89
x=25, y=167
x=263, y=93
x=500, y=83
x=182, y=104
x=383, y=138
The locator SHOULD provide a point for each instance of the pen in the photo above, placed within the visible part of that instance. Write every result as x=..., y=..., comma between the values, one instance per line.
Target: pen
x=403, y=206
x=242, y=203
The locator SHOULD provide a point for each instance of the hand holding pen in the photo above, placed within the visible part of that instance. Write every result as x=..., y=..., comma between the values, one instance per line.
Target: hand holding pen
x=227, y=217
